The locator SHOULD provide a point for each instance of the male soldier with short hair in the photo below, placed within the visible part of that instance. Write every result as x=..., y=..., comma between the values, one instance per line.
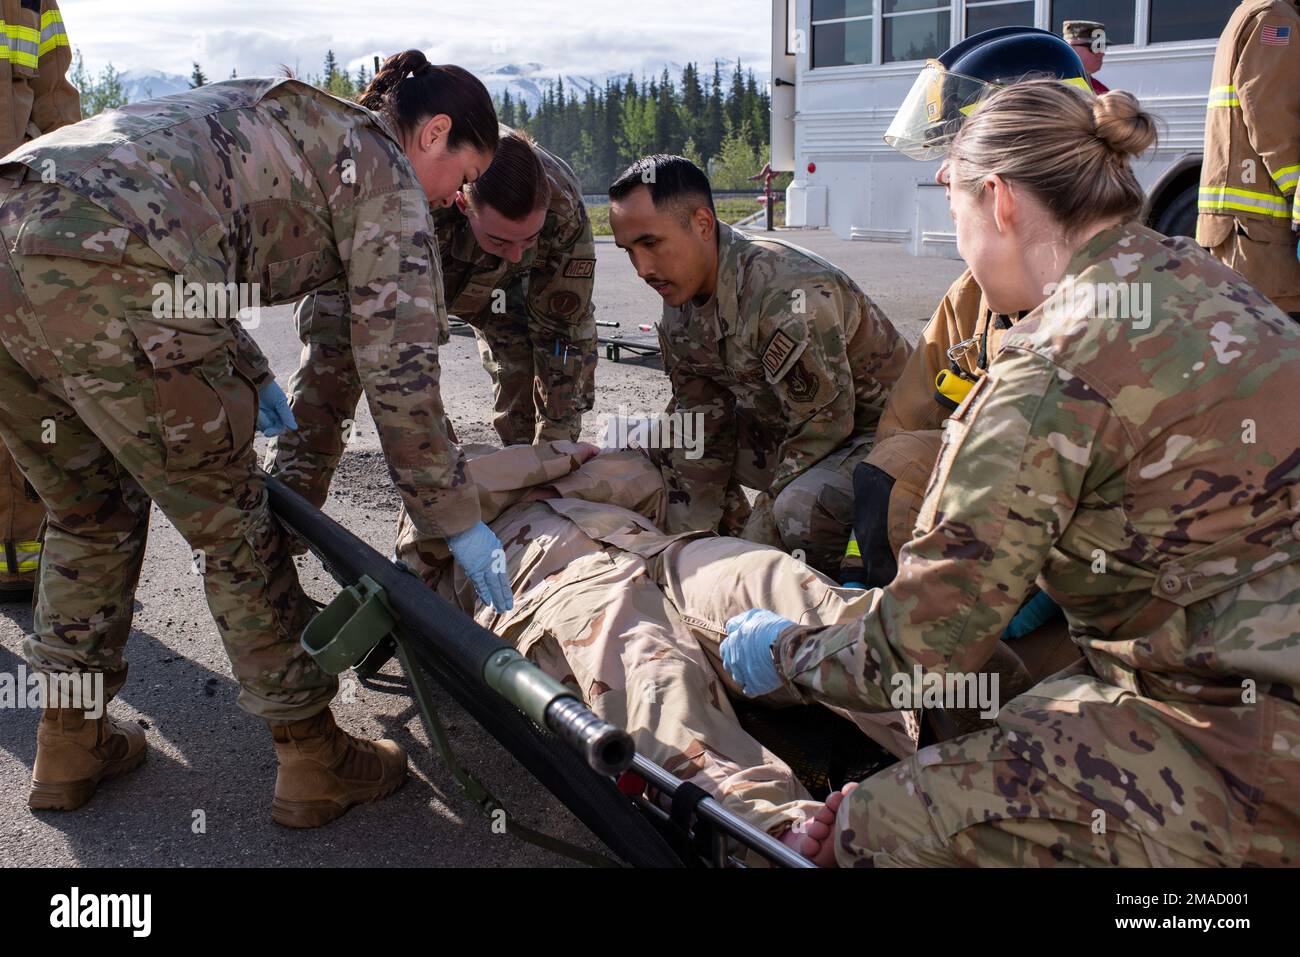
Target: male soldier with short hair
x=1088, y=38
x=786, y=359
x=1249, y=206
x=39, y=99
x=521, y=276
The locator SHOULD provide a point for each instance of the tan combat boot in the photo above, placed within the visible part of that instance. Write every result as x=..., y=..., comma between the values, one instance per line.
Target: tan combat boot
x=74, y=753
x=324, y=771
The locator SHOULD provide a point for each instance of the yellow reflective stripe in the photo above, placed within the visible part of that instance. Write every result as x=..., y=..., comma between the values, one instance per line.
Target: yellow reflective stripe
x=28, y=555
x=1226, y=197
x=26, y=45
x=1287, y=178
x=52, y=33
x=853, y=551
x=1080, y=82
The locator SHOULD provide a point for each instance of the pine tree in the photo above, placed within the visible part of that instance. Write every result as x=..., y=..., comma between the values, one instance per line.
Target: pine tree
x=714, y=117
x=363, y=77
x=507, y=109
x=331, y=69
x=197, y=78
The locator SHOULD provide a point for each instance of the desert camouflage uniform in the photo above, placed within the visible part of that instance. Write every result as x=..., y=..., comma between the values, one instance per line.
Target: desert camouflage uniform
x=252, y=181
x=1249, y=204
x=789, y=363
x=632, y=618
x=35, y=98
x=522, y=315
x=1149, y=478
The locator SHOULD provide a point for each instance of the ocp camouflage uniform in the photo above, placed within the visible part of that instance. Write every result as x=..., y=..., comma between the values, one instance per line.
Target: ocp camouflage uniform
x=534, y=321
x=632, y=618
x=789, y=363
x=35, y=98
x=1249, y=205
x=1149, y=478
x=959, y=344
x=154, y=395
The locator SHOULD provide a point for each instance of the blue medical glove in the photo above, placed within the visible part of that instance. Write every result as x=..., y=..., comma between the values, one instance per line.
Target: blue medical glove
x=747, y=651
x=273, y=414
x=1033, y=615
x=477, y=551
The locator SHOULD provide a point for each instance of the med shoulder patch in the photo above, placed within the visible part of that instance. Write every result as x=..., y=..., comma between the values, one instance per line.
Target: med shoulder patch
x=580, y=269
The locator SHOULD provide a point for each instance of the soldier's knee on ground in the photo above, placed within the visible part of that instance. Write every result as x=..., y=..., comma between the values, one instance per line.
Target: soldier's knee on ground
x=814, y=520
x=975, y=802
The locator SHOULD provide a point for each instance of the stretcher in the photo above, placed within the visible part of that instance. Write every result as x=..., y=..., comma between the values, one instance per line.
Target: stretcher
x=643, y=815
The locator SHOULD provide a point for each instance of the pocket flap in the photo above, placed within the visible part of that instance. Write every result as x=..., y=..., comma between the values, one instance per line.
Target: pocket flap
x=73, y=238
x=167, y=346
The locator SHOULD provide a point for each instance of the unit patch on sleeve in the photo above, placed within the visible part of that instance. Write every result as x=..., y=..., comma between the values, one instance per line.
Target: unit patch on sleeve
x=580, y=269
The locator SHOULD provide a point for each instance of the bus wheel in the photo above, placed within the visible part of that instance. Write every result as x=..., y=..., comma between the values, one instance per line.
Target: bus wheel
x=1179, y=217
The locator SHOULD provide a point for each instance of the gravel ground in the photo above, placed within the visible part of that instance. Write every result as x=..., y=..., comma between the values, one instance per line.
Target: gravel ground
x=207, y=756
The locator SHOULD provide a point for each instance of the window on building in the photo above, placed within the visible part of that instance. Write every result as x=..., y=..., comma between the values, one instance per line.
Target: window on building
x=1188, y=19
x=1118, y=15
x=984, y=15
x=842, y=32
x=916, y=29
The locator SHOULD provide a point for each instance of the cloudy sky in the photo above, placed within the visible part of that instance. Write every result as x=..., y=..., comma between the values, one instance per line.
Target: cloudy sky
x=577, y=36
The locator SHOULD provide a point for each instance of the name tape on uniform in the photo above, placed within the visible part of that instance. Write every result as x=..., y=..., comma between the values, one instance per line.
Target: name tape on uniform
x=580, y=269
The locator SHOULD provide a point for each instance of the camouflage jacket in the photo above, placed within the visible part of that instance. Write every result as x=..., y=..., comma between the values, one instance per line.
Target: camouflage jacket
x=1144, y=471
x=789, y=358
x=558, y=274
x=274, y=183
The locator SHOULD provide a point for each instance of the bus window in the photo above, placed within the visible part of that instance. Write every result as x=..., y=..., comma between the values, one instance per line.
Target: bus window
x=986, y=15
x=1188, y=19
x=916, y=29
x=841, y=32
x=1116, y=14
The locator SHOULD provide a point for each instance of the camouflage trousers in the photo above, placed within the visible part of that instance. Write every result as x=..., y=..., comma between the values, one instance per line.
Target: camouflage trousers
x=21, y=517
x=542, y=383
x=107, y=407
x=1082, y=773
x=812, y=517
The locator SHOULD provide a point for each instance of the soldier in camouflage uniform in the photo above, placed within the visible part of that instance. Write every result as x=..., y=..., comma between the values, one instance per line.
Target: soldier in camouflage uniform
x=529, y=303
x=118, y=384
x=1141, y=469
x=632, y=618
x=788, y=362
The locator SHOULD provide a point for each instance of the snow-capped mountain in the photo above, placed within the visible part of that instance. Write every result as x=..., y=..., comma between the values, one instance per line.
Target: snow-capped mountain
x=148, y=84
x=524, y=81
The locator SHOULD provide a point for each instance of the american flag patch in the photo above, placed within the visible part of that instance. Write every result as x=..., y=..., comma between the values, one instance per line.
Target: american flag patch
x=1275, y=36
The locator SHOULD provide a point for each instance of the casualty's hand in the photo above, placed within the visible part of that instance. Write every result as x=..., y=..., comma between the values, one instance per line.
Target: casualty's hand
x=587, y=451
x=273, y=414
x=479, y=552
x=747, y=651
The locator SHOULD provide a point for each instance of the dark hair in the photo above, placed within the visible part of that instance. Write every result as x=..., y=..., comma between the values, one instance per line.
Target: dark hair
x=672, y=180
x=408, y=89
x=515, y=185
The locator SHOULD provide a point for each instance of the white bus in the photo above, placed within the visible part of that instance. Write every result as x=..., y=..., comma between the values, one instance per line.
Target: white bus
x=841, y=69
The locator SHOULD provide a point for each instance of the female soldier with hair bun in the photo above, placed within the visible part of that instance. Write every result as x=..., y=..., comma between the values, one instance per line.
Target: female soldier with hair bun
x=111, y=329
x=1128, y=451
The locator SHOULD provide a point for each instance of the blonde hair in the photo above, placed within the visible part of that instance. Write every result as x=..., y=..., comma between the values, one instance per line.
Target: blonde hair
x=1069, y=148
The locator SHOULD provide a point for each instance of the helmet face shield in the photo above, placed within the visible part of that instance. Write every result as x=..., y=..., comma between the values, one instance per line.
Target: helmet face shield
x=934, y=111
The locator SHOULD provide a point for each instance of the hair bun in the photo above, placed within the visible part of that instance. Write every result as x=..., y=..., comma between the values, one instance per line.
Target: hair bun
x=1122, y=124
